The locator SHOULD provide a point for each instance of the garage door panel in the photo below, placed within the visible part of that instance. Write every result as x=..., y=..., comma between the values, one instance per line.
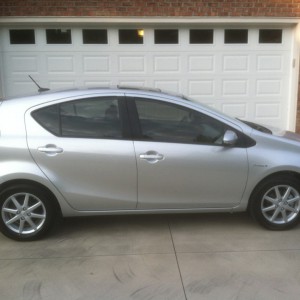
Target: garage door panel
x=133, y=82
x=168, y=85
x=249, y=80
x=235, y=88
x=96, y=64
x=201, y=88
x=20, y=87
x=270, y=111
x=201, y=63
x=236, y=63
x=61, y=84
x=23, y=64
x=96, y=82
x=135, y=64
x=269, y=63
x=166, y=64
x=269, y=87
x=60, y=64
x=239, y=110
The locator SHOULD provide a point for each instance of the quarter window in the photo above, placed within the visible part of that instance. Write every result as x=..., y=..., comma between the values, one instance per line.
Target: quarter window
x=165, y=122
x=89, y=118
x=48, y=117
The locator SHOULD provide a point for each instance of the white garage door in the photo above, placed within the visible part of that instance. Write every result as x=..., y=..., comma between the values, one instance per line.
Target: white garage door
x=243, y=72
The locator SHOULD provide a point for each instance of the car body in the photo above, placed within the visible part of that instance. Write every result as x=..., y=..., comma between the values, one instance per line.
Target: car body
x=86, y=152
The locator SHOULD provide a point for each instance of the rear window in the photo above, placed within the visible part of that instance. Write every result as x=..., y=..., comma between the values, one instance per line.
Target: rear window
x=88, y=118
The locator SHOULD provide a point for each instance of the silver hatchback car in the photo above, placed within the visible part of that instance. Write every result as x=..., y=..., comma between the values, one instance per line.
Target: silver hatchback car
x=129, y=151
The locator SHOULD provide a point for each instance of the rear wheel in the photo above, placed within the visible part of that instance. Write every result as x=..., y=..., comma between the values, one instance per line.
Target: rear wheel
x=27, y=213
x=276, y=203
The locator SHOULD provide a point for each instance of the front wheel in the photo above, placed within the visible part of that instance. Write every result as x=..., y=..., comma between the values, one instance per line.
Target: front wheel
x=27, y=213
x=276, y=203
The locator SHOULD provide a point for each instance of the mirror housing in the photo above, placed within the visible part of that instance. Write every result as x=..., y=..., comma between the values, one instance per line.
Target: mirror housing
x=230, y=138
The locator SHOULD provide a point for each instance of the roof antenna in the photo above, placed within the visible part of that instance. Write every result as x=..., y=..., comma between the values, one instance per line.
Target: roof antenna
x=41, y=89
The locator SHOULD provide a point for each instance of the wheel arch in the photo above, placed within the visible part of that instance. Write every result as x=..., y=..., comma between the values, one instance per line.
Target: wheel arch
x=267, y=178
x=35, y=184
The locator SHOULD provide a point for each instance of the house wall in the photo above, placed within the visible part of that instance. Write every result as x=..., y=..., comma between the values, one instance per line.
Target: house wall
x=201, y=8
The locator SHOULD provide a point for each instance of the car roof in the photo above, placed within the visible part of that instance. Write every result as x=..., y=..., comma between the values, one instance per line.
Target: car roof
x=27, y=102
x=50, y=95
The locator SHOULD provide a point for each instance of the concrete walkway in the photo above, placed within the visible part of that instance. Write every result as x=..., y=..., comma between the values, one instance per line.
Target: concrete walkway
x=194, y=257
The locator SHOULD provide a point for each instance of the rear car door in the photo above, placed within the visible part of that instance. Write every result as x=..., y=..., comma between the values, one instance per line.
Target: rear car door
x=83, y=146
x=181, y=160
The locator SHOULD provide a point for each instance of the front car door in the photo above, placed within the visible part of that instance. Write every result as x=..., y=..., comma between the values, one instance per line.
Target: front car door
x=181, y=160
x=84, y=148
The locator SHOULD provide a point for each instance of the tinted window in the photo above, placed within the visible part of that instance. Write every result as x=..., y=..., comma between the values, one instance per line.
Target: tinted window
x=236, y=36
x=58, y=36
x=270, y=36
x=164, y=122
x=201, y=36
x=94, y=36
x=89, y=118
x=48, y=117
x=95, y=118
x=131, y=36
x=22, y=36
x=166, y=36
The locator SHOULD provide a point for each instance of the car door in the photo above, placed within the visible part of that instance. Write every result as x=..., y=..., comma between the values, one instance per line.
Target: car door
x=83, y=147
x=181, y=160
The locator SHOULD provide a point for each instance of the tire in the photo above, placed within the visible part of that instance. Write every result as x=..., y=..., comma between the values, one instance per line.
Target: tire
x=275, y=204
x=27, y=212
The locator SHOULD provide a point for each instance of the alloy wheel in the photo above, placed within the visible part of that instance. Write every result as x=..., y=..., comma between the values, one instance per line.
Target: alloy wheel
x=23, y=213
x=281, y=204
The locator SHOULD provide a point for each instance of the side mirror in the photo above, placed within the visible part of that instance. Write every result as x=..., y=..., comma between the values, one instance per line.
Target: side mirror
x=230, y=138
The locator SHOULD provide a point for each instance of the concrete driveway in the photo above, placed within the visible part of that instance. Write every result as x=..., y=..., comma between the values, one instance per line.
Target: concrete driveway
x=213, y=256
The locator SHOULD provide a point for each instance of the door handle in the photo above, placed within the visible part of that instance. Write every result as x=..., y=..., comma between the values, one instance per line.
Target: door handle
x=50, y=149
x=151, y=156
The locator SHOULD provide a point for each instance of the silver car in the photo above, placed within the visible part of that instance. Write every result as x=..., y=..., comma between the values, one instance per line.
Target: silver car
x=130, y=151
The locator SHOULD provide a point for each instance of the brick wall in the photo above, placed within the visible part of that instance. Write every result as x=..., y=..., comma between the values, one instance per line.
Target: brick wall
x=249, y=8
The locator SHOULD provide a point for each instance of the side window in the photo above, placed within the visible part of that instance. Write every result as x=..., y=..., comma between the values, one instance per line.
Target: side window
x=48, y=117
x=165, y=122
x=89, y=118
x=94, y=118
